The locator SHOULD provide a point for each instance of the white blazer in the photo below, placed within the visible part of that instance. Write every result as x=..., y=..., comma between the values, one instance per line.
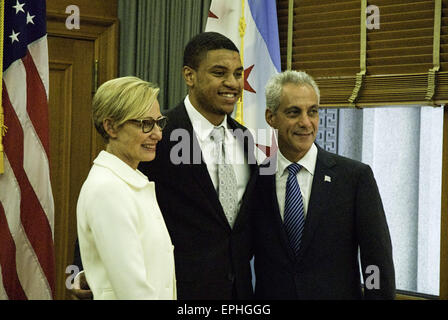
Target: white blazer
x=125, y=246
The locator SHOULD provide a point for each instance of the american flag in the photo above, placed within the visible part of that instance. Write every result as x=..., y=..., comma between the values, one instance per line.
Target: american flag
x=26, y=200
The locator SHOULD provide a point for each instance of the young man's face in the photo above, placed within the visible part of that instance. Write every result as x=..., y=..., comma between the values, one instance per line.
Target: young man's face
x=216, y=85
x=297, y=120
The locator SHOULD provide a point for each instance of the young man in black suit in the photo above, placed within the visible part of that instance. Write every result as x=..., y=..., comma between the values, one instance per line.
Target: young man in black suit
x=316, y=211
x=212, y=247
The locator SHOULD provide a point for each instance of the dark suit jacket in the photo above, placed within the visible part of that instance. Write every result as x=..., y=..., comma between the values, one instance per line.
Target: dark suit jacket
x=343, y=214
x=212, y=259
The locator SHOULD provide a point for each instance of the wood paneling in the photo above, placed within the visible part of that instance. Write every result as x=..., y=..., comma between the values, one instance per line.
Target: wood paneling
x=74, y=142
x=96, y=8
x=61, y=75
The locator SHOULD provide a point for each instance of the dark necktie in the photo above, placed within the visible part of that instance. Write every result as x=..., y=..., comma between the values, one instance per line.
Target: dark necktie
x=294, y=218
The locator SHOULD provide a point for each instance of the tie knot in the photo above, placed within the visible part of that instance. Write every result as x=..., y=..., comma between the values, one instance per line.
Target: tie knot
x=293, y=168
x=217, y=134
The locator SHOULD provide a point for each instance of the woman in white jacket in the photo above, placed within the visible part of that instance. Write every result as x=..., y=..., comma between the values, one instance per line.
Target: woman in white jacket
x=125, y=246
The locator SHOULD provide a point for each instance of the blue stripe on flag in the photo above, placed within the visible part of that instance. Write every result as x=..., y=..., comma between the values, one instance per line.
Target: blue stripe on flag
x=264, y=13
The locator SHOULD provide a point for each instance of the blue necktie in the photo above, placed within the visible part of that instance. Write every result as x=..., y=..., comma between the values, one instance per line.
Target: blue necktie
x=294, y=218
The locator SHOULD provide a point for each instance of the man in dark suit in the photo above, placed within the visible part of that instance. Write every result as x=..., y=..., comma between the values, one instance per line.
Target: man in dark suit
x=212, y=247
x=316, y=211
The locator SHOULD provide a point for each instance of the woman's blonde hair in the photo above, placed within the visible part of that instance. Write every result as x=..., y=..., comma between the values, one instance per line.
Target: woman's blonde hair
x=122, y=99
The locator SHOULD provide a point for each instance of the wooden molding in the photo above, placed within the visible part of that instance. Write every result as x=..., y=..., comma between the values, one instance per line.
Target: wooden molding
x=99, y=35
x=104, y=32
x=60, y=181
x=97, y=8
x=91, y=27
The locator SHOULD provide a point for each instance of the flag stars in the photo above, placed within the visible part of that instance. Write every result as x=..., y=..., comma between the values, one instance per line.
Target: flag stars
x=14, y=36
x=247, y=86
x=29, y=18
x=19, y=7
x=212, y=15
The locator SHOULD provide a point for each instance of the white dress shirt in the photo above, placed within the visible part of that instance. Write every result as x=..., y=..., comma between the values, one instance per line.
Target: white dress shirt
x=304, y=177
x=234, y=151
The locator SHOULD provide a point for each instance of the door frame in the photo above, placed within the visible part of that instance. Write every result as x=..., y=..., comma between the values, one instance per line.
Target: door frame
x=104, y=34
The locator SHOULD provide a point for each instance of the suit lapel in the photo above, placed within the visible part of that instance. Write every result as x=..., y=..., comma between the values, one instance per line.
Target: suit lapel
x=271, y=201
x=279, y=222
x=197, y=169
x=248, y=147
x=320, y=197
x=199, y=172
x=321, y=189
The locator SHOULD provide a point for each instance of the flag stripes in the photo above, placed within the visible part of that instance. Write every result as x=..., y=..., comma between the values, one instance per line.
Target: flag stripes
x=33, y=116
x=26, y=199
x=36, y=107
x=3, y=295
x=12, y=288
x=32, y=216
x=28, y=270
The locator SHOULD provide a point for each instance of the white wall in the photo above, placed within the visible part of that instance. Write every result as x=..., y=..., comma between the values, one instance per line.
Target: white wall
x=403, y=145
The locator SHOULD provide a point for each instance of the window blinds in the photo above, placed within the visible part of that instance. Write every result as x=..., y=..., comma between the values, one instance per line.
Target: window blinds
x=404, y=61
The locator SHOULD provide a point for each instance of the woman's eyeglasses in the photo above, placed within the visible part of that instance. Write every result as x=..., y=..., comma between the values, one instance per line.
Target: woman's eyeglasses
x=148, y=124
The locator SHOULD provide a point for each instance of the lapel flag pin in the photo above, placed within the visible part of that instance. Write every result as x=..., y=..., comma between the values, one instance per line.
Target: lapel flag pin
x=327, y=179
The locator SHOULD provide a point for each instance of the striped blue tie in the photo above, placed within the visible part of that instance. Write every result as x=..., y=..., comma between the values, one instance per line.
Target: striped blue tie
x=294, y=219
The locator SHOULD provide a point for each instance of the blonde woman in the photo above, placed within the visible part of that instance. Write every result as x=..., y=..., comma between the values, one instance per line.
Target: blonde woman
x=125, y=246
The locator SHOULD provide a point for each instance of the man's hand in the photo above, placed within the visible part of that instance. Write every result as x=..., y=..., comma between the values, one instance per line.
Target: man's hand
x=80, y=289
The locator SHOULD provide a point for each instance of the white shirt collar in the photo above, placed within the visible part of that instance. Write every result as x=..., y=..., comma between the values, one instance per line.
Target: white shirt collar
x=201, y=126
x=308, y=161
x=133, y=177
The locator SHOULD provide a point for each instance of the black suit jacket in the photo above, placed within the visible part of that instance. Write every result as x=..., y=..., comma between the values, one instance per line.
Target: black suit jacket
x=343, y=214
x=212, y=259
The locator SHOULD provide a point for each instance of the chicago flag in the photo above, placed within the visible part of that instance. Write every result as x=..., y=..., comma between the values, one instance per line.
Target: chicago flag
x=259, y=49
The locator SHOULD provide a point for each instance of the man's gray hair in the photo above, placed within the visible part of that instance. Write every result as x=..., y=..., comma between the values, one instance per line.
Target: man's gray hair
x=275, y=86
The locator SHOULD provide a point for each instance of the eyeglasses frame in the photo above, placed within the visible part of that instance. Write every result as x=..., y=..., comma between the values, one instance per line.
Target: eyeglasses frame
x=153, y=123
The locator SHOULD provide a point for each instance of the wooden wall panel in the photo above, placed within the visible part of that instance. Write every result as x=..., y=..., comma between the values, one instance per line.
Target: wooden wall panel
x=61, y=76
x=74, y=142
x=95, y=8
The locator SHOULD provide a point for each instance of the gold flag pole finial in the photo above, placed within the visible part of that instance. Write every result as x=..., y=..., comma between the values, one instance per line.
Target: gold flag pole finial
x=242, y=30
x=2, y=119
